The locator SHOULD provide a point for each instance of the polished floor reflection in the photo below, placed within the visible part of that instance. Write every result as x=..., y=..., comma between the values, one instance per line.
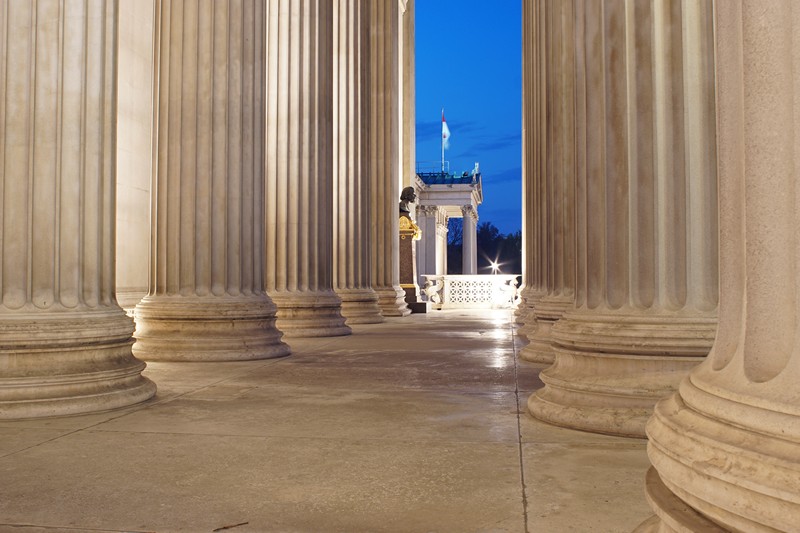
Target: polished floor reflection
x=416, y=424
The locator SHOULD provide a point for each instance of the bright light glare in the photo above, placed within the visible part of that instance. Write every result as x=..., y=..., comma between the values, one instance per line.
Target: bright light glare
x=495, y=267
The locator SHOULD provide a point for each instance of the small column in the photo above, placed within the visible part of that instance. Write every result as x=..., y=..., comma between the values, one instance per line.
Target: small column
x=206, y=299
x=441, y=242
x=65, y=344
x=469, y=252
x=384, y=156
x=725, y=448
x=646, y=256
x=426, y=247
x=351, y=207
x=299, y=270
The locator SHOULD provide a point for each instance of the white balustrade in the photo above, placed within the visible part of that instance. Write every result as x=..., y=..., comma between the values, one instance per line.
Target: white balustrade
x=487, y=291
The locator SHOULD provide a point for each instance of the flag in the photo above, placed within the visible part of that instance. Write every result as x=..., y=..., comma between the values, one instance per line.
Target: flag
x=445, y=133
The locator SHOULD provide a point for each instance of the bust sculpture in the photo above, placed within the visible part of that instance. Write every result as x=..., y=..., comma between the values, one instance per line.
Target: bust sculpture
x=408, y=196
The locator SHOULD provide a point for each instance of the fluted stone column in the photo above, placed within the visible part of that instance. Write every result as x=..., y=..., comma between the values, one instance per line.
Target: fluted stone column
x=65, y=344
x=532, y=122
x=426, y=249
x=206, y=300
x=469, y=240
x=384, y=157
x=134, y=149
x=556, y=194
x=725, y=448
x=646, y=256
x=408, y=152
x=441, y=241
x=300, y=173
x=351, y=206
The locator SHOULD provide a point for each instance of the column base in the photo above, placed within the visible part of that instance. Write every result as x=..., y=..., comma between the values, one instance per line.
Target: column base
x=610, y=371
x=675, y=515
x=547, y=311
x=69, y=363
x=310, y=314
x=360, y=306
x=539, y=348
x=392, y=301
x=207, y=328
x=726, y=455
x=128, y=298
x=525, y=314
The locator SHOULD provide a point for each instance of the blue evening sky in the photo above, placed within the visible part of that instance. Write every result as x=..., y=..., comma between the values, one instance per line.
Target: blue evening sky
x=468, y=59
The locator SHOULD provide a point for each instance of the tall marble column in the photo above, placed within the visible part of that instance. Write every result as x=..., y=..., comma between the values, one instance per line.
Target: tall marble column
x=134, y=149
x=206, y=300
x=384, y=157
x=469, y=240
x=408, y=152
x=426, y=251
x=300, y=173
x=65, y=344
x=351, y=207
x=532, y=120
x=725, y=447
x=555, y=200
x=646, y=286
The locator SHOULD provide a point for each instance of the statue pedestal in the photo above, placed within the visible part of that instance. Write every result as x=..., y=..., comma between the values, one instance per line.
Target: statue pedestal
x=409, y=234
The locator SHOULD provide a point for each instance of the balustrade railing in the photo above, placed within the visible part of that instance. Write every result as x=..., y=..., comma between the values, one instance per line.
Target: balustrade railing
x=483, y=291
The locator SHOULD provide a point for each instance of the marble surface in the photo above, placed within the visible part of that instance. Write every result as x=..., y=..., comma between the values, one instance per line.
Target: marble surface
x=416, y=424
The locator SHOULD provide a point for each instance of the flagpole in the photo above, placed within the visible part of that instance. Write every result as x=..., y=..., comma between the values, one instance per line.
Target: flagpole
x=442, y=136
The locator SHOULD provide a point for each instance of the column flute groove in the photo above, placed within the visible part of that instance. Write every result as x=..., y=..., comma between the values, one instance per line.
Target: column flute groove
x=206, y=299
x=65, y=344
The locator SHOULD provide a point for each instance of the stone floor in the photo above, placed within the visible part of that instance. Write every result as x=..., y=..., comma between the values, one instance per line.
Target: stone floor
x=418, y=424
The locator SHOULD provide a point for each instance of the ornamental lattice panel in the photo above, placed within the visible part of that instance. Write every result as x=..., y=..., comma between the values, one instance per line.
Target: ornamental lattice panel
x=468, y=291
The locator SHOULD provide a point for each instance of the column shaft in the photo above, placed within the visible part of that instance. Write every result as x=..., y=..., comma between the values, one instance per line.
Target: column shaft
x=646, y=273
x=134, y=149
x=300, y=173
x=426, y=249
x=469, y=240
x=206, y=299
x=556, y=198
x=351, y=186
x=408, y=155
x=65, y=344
x=384, y=156
x=725, y=447
x=532, y=120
